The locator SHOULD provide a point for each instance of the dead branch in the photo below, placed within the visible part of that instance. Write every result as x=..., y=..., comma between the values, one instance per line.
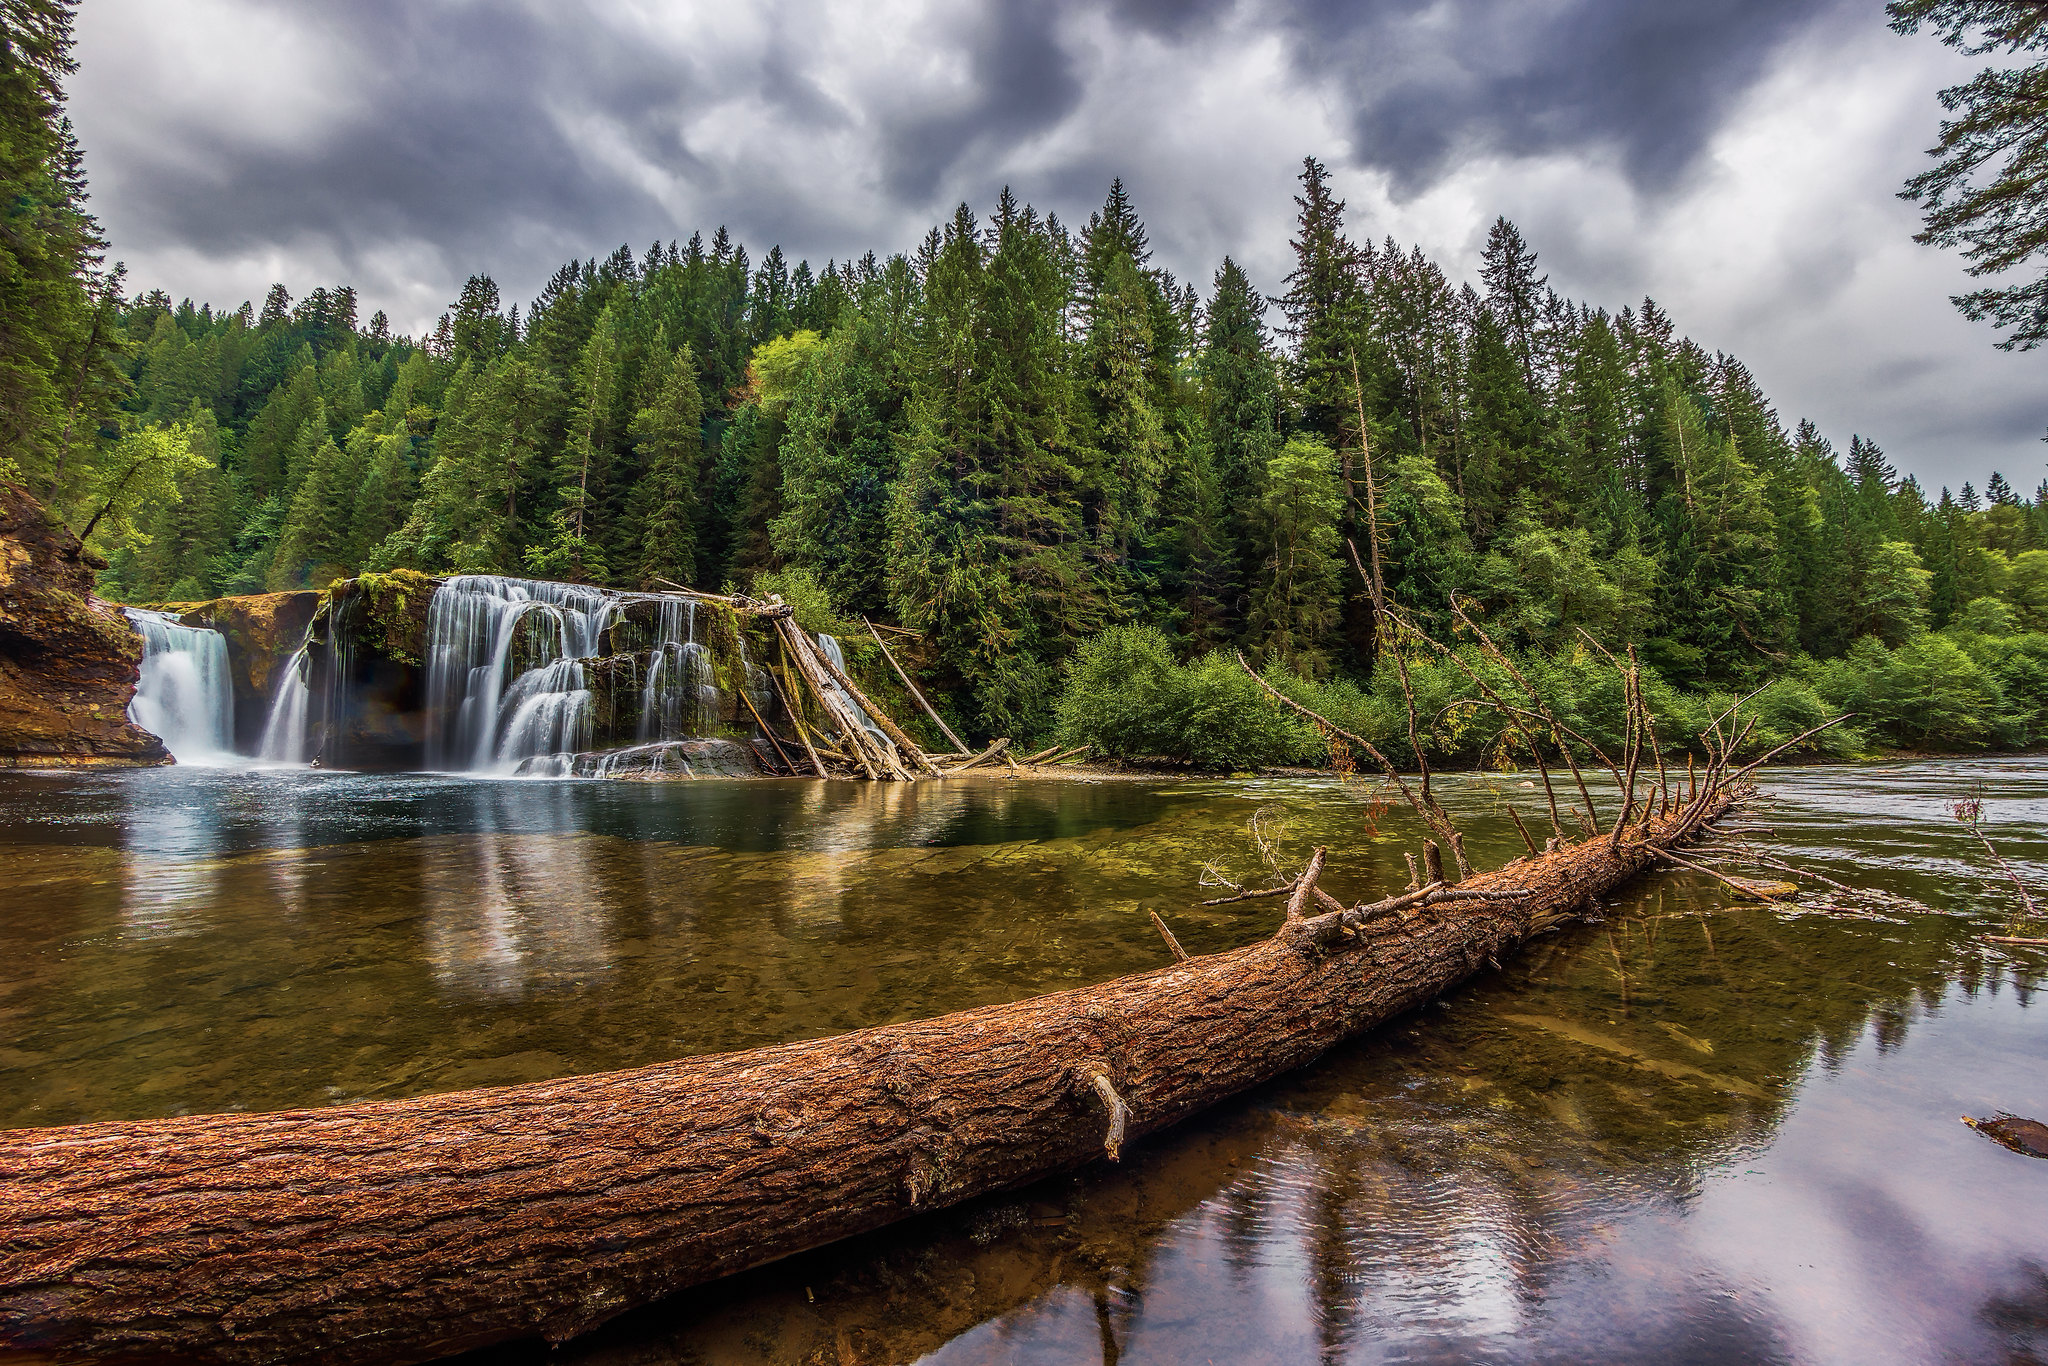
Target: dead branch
x=915, y=695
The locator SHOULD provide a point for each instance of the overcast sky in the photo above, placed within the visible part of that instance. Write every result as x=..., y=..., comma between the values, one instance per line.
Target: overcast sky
x=1735, y=159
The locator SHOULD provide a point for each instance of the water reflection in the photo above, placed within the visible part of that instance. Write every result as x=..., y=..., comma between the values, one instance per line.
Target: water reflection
x=1699, y=1131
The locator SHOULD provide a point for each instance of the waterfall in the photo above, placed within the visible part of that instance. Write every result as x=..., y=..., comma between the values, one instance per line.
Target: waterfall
x=185, y=696
x=505, y=681
x=829, y=646
x=680, y=694
x=284, y=734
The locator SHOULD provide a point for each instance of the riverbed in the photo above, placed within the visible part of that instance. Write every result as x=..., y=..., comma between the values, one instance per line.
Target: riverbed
x=1702, y=1129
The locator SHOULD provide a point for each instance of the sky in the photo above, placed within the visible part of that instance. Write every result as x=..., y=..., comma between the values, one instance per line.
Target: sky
x=1737, y=160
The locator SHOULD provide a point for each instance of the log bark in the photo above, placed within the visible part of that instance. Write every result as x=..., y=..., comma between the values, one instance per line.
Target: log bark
x=406, y=1230
x=852, y=736
x=796, y=719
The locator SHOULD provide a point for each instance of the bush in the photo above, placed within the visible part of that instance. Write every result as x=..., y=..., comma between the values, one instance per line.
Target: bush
x=1120, y=694
x=801, y=589
x=1221, y=718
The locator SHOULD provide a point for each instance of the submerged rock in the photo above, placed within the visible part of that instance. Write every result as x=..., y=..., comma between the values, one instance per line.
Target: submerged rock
x=2028, y=1137
x=68, y=662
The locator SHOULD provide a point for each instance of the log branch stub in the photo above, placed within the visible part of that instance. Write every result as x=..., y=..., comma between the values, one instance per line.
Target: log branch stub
x=1180, y=954
x=1305, y=886
x=1527, y=838
x=1119, y=1113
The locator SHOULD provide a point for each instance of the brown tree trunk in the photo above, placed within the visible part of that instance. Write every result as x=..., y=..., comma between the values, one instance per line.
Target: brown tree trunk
x=405, y=1230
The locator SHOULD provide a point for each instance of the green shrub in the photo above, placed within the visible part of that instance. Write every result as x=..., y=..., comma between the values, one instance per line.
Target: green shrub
x=1120, y=694
x=802, y=590
x=1221, y=718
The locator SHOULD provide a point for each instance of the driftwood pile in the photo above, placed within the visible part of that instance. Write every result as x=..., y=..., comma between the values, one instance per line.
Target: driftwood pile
x=406, y=1230
x=857, y=736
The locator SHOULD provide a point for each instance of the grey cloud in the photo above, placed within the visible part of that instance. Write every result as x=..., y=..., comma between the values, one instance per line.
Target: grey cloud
x=509, y=137
x=1431, y=81
x=1025, y=83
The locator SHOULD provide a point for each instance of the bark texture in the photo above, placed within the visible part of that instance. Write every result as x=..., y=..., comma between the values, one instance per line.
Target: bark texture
x=405, y=1230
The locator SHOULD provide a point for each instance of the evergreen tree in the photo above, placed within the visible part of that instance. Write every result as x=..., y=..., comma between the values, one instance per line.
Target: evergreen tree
x=1514, y=292
x=1241, y=384
x=1325, y=306
x=669, y=430
x=1988, y=192
x=1295, y=609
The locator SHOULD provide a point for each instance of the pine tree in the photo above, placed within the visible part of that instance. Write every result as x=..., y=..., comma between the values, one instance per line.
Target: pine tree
x=1295, y=606
x=984, y=523
x=1514, y=292
x=1987, y=193
x=476, y=330
x=1325, y=307
x=669, y=430
x=574, y=548
x=1241, y=385
x=53, y=345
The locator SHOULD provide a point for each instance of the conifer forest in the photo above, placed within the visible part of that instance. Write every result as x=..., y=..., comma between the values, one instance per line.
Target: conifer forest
x=1058, y=463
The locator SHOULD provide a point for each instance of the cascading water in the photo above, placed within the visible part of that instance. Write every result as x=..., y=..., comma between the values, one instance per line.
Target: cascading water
x=680, y=694
x=829, y=646
x=482, y=715
x=185, y=696
x=284, y=734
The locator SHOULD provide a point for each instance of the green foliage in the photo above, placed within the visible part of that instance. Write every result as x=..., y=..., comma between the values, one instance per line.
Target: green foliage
x=1988, y=191
x=803, y=591
x=670, y=434
x=1294, y=608
x=1127, y=697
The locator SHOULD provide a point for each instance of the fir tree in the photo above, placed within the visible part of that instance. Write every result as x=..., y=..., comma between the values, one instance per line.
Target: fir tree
x=669, y=432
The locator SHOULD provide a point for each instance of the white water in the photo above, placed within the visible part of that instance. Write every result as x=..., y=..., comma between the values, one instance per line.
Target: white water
x=185, y=696
x=680, y=693
x=830, y=646
x=284, y=734
x=480, y=717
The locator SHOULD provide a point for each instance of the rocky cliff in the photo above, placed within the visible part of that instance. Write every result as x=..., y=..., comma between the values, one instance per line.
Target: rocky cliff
x=263, y=631
x=68, y=662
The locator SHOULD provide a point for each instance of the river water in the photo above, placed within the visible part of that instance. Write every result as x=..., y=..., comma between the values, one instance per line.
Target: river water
x=1700, y=1130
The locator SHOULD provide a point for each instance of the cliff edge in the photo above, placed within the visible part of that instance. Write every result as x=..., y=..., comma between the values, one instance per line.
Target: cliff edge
x=68, y=661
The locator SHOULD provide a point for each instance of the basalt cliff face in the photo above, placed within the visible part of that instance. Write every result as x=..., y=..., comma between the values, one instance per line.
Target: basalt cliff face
x=68, y=662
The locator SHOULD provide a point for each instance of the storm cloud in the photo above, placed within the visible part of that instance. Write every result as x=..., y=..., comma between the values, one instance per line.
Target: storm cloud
x=1737, y=159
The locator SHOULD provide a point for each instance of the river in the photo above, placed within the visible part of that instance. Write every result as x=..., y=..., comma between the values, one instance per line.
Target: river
x=1700, y=1130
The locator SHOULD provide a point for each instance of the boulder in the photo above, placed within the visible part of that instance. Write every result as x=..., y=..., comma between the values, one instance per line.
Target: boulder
x=68, y=661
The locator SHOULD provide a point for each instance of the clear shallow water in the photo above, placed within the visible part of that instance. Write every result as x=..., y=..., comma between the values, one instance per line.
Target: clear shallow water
x=1699, y=1131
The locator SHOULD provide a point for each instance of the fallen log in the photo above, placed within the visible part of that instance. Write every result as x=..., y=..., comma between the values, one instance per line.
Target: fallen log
x=984, y=757
x=406, y=1230
x=904, y=744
